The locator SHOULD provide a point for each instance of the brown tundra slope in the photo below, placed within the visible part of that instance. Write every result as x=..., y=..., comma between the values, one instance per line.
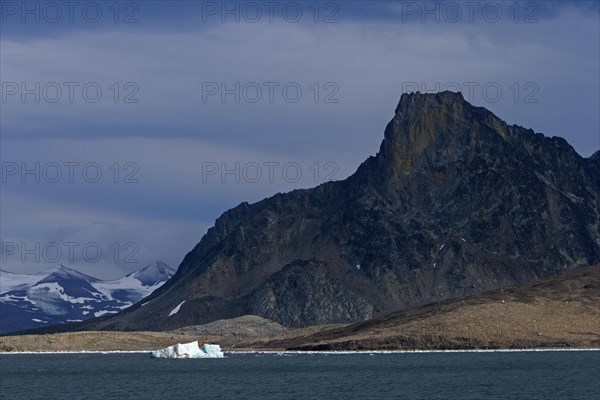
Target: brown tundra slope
x=455, y=203
x=558, y=312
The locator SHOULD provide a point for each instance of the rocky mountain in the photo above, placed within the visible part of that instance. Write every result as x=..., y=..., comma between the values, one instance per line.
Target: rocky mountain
x=61, y=295
x=456, y=202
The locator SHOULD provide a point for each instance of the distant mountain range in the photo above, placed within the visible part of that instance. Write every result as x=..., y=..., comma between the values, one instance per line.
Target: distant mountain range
x=61, y=295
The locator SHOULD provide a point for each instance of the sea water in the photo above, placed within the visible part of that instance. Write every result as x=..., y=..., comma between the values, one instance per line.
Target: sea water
x=543, y=375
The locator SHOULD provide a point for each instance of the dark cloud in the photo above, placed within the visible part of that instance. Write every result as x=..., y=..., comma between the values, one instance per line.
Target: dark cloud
x=161, y=94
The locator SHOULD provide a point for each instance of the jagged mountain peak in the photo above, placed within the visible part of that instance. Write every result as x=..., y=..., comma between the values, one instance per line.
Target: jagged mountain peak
x=410, y=101
x=456, y=202
x=436, y=128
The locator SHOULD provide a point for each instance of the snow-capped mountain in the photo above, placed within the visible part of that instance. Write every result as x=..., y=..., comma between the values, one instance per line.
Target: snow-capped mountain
x=60, y=295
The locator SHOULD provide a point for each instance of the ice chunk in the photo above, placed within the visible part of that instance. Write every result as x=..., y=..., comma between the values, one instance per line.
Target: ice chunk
x=213, y=351
x=189, y=350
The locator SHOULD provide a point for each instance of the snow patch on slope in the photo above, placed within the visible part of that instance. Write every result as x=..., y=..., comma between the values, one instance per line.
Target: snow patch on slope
x=176, y=309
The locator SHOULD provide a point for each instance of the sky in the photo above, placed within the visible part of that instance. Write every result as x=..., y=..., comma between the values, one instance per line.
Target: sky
x=127, y=128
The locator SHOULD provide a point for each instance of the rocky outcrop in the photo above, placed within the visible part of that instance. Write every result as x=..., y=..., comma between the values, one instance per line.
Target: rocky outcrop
x=456, y=202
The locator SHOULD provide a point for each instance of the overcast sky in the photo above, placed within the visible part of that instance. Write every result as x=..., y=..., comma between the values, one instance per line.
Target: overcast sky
x=129, y=129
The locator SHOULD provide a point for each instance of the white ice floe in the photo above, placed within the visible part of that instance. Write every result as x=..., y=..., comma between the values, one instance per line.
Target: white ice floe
x=189, y=350
x=176, y=309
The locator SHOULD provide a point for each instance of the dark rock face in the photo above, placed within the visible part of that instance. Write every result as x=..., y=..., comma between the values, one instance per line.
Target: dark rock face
x=456, y=202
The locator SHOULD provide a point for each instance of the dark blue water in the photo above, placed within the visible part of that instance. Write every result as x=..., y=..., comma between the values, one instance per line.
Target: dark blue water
x=477, y=376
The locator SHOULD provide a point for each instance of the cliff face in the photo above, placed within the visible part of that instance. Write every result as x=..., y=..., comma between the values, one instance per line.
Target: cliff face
x=456, y=202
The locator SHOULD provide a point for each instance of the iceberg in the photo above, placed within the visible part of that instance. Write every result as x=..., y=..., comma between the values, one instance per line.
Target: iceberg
x=189, y=350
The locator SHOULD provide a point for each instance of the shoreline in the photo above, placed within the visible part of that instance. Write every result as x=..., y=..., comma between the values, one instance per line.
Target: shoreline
x=300, y=352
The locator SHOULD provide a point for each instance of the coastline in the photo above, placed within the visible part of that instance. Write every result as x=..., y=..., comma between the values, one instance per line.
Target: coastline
x=300, y=352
